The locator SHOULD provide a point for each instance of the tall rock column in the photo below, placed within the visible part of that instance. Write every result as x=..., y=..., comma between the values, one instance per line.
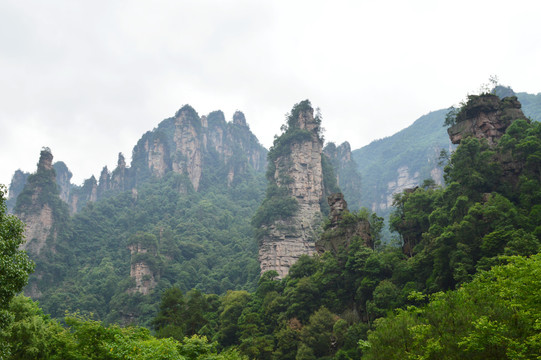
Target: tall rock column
x=188, y=140
x=289, y=218
x=40, y=207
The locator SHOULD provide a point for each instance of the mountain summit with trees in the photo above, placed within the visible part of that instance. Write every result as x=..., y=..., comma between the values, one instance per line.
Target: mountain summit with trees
x=299, y=178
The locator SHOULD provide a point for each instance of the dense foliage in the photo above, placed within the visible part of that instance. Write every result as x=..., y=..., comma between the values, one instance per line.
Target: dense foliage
x=484, y=211
x=416, y=147
x=465, y=273
x=34, y=335
x=195, y=240
x=496, y=316
x=14, y=268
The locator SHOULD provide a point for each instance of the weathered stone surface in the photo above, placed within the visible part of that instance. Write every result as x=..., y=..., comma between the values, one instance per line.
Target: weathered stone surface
x=239, y=118
x=36, y=213
x=119, y=175
x=38, y=228
x=16, y=186
x=339, y=233
x=104, y=183
x=157, y=156
x=141, y=272
x=485, y=117
x=404, y=180
x=63, y=179
x=338, y=205
x=188, y=141
x=299, y=170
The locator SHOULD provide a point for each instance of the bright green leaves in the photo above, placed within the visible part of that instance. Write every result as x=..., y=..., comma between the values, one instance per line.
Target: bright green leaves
x=496, y=316
x=14, y=266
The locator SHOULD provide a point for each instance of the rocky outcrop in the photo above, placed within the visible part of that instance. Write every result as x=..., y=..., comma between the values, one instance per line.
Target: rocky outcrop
x=185, y=144
x=405, y=179
x=63, y=180
x=338, y=205
x=295, y=173
x=104, y=183
x=120, y=178
x=485, y=116
x=188, y=140
x=16, y=186
x=80, y=196
x=343, y=227
x=144, y=260
x=38, y=228
x=346, y=171
x=40, y=207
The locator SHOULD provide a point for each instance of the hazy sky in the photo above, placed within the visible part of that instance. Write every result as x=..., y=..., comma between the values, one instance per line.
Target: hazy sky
x=88, y=78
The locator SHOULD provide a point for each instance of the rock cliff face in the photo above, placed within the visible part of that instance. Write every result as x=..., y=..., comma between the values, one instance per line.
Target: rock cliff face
x=15, y=188
x=340, y=232
x=404, y=180
x=144, y=262
x=140, y=270
x=345, y=169
x=295, y=177
x=63, y=179
x=485, y=116
x=185, y=144
x=39, y=206
x=189, y=144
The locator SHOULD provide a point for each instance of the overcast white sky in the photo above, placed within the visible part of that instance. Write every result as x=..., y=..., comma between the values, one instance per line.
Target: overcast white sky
x=88, y=78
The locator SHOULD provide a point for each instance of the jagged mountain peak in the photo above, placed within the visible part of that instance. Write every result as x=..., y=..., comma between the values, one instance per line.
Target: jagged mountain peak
x=185, y=144
x=45, y=159
x=239, y=118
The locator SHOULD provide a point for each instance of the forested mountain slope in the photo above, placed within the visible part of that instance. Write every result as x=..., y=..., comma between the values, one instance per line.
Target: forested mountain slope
x=407, y=158
x=178, y=215
x=401, y=161
x=488, y=211
x=472, y=243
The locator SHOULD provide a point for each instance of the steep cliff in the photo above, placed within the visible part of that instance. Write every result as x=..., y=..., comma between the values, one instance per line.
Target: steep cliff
x=485, y=116
x=193, y=183
x=144, y=263
x=207, y=150
x=39, y=206
x=290, y=217
x=343, y=227
x=345, y=169
x=16, y=186
x=63, y=180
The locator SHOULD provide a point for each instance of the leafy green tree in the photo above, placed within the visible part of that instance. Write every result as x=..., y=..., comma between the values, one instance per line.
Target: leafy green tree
x=233, y=304
x=318, y=335
x=14, y=264
x=172, y=317
x=34, y=335
x=196, y=307
x=496, y=316
x=95, y=341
